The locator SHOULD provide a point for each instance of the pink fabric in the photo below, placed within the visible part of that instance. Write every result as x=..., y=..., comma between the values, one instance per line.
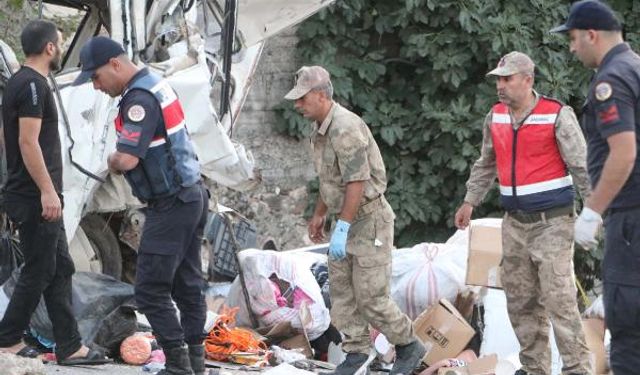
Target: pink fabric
x=300, y=296
x=277, y=293
x=157, y=356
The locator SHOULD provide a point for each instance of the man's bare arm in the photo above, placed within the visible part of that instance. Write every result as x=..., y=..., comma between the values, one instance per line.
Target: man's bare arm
x=122, y=162
x=316, y=224
x=352, y=198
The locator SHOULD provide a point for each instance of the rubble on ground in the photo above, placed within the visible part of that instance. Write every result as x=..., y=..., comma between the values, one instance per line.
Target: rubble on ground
x=465, y=327
x=278, y=214
x=15, y=365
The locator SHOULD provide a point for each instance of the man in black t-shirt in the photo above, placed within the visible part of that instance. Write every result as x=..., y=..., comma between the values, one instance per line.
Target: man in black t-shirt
x=33, y=201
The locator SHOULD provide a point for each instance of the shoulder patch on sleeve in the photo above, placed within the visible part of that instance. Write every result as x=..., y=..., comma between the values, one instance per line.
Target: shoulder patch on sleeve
x=136, y=113
x=130, y=135
x=608, y=114
x=603, y=91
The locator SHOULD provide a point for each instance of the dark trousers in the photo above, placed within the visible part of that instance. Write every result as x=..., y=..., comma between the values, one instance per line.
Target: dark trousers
x=169, y=268
x=46, y=273
x=621, y=269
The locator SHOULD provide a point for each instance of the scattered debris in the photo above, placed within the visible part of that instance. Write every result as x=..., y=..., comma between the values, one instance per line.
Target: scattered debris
x=282, y=355
x=237, y=345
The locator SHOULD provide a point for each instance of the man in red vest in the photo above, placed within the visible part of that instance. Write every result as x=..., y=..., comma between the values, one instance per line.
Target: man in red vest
x=535, y=147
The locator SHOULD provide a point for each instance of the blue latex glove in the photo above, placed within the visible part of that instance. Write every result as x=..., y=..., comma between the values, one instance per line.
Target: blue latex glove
x=338, y=244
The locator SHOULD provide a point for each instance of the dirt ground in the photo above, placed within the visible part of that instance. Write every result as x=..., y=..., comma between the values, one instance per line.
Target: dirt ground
x=120, y=370
x=51, y=369
x=123, y=370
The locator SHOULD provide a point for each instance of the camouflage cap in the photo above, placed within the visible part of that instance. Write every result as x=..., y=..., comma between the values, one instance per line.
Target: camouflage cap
x=513, y=63
x=307, y=79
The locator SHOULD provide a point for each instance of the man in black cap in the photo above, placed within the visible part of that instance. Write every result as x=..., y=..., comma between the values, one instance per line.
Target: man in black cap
x=33, y=201
x=155, y=154
x=611, y=123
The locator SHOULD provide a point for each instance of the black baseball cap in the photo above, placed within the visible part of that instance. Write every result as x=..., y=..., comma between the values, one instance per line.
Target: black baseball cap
x=589, y=15
x=94, y=54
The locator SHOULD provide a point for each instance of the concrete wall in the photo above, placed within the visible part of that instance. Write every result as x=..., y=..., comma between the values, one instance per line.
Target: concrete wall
x=277, y=206
x=284, y=161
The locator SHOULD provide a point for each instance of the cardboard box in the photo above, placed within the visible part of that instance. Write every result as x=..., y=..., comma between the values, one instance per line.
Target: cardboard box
x=286, y=337
x=594, y=335
x=485, y=254
x=482, y=366
x=443, y=331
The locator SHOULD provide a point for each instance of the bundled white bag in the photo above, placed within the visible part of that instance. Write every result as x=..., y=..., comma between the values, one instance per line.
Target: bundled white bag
x=295, y=269
x=425, y=273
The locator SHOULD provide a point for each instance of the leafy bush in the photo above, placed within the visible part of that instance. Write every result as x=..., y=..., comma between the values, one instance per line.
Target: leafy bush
x=415, y=71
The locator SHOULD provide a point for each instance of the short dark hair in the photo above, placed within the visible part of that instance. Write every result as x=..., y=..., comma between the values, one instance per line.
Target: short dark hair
x=36, y=35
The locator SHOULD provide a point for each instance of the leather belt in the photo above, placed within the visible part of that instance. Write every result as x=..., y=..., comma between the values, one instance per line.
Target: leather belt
x=534, y=217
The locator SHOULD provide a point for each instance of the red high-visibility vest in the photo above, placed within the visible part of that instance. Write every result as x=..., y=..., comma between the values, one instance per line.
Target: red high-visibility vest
x=531, y=172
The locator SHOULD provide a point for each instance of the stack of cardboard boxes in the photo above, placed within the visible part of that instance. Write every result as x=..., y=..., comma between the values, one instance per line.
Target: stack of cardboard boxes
x=446, y=333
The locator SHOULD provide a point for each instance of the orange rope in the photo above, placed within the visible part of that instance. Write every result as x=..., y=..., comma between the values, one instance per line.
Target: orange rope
x=222, y=341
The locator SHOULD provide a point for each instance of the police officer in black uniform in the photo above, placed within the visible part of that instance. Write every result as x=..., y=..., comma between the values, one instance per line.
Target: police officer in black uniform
x=158, y=160
x=611, y=123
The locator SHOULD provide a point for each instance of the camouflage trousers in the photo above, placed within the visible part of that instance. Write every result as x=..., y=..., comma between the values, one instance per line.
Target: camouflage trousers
x=360, y=283
x=538, y=280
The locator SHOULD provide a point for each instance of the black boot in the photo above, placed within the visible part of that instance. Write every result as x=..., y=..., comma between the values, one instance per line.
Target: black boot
x=351, y=364
x=408, y=358
x=196, y=357
x=177, y=362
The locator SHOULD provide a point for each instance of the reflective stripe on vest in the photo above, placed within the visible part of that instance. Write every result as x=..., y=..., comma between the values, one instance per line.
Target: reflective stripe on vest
x=531, y=171
x=538, y=187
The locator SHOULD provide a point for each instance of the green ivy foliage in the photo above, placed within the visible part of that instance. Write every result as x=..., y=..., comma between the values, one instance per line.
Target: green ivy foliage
x=415, y=71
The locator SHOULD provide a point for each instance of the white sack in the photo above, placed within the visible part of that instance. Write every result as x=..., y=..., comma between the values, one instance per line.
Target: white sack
x=294, y=268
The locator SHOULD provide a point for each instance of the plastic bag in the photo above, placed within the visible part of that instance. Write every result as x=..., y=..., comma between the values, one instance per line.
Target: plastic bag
x=97, y=299
x=117, y=326
x=295, y=269
x=425, y=273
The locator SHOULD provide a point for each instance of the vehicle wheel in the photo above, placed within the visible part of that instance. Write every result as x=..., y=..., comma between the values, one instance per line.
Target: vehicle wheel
x=105, y=244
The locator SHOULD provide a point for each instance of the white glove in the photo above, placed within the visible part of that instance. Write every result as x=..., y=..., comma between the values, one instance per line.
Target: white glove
x=586, y=228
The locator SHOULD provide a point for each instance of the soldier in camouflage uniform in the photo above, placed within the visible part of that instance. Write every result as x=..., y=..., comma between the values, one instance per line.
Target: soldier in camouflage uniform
x=352, y=184
x=534, y=145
